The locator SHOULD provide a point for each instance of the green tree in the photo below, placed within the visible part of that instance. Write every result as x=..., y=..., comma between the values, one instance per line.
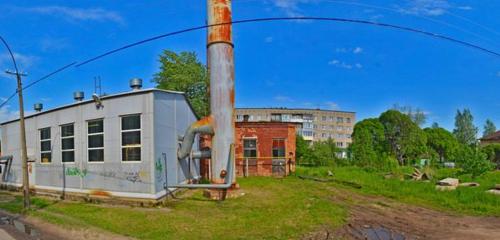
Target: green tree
x=492, y=152
x=302, y=149
x=416, y=115
x=184, y=72
x=442, y=142
x=368, y=143
x=473, y=161
x=465, y=131
x=405, y=139
x=324, y=153
x=489, y=128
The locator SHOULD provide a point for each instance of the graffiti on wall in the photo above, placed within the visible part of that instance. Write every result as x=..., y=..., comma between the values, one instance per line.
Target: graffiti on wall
x=74, y=171
x=134, y=177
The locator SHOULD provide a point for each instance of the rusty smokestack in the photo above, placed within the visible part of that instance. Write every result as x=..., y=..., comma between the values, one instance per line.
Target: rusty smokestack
x=221, y=68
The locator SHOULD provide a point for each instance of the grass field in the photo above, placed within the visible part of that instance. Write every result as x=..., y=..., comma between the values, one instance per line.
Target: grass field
x=272, y=208
x=464, y=200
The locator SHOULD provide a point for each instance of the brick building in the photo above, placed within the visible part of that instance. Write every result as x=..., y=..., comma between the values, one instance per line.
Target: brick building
x=265, y=148
x=261, y=149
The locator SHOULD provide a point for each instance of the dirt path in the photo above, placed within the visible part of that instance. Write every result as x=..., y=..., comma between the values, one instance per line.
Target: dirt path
x=372, y=217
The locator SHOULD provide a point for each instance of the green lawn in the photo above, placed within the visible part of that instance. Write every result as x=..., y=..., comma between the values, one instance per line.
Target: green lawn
x=271, y=209
x=465, y=200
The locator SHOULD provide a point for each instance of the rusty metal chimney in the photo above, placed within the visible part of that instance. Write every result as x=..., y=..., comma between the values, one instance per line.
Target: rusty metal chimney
x=221, y=69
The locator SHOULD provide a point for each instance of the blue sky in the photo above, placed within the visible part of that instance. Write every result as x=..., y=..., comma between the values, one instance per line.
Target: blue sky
x=329, y=65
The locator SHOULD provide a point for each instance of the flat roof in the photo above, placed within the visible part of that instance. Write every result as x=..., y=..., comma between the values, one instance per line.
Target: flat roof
x=124, y=94
x=294, y=109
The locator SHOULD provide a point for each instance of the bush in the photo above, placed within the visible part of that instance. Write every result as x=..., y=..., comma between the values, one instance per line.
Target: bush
x=473, y=161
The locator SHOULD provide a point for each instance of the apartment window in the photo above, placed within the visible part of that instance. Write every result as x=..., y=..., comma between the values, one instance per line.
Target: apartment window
x=323, y=127
x=323, y=135
x=95, y=136
x=340, y=144
x=315, y=126
x=331, y=118
x=45, y=146
x=239, y=118
x=323, y=118
x=348, y=120
x=250, y=148
x=340, y=119
x=276, y=117
x=68, y=143
x=131, y=138
x=278, y=148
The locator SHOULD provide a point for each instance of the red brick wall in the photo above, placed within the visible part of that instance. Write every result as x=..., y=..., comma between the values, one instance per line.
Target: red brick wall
x=264, y=132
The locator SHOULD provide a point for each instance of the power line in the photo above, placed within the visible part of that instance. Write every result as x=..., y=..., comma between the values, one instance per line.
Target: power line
x=37, y=81
x=345, y=20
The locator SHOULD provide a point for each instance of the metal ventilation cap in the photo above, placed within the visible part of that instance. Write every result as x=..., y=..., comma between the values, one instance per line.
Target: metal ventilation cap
x=38, y=107
x=136, y=83
x=78, y=96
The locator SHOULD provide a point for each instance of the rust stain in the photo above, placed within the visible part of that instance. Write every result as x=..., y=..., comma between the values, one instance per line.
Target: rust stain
x=221, y=13
x=100, y=193
x=203, y=122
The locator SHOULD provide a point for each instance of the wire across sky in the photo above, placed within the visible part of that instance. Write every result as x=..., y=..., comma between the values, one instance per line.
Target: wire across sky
x=271, y=19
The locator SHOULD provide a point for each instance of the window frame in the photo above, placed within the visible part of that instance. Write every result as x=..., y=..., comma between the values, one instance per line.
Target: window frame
x=131, y=130
x=243, y=145
x=95, y=134
x=45, y=140
x=284, y=148
x=68, y=137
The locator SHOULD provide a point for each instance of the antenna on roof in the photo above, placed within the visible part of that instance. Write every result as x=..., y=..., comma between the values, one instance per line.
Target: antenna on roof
x=97, y=85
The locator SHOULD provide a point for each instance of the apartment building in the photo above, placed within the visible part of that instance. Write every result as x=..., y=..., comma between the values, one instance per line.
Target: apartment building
x=312, y=124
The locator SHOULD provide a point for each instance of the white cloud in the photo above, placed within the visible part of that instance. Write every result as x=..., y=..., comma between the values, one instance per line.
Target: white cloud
x=292, y=7
x=466, y=8
x=268, y=39
x=6, y=114
x=54, y=44
x=76, y=14
x=23, y=61
x=332, y=105
x=425, y=7
x=357, y=50
x=282, y=98
x=344, y=65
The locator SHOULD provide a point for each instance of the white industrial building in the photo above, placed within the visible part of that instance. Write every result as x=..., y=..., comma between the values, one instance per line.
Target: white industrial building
x=122, y=145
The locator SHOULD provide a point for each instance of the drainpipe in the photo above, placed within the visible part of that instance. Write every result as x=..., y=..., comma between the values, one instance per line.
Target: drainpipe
x=221, y=71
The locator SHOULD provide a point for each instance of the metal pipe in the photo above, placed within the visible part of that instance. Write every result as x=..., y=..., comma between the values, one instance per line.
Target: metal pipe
x=202, y=126
x=221, y=71
x=228, y=178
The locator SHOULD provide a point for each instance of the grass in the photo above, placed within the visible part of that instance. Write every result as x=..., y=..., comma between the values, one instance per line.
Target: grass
x=464, y=200
x=271, y=209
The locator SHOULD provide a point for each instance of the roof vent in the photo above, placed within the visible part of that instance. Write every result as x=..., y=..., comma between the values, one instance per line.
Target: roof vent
x=78, y=96
x=136, y=83
x=38, y=107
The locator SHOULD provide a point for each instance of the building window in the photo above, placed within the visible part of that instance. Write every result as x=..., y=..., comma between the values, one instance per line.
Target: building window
x=249, y=148
x=348, y=120
x=278, y=148
x=131, y=138
x=45, y=146
x=340, y=119
x=239, y=118
x=68, y=143
x=323, y=118
x=276, y=117
x=331, y=118
x=340, y=144
x=323, y=135
x=95, y=133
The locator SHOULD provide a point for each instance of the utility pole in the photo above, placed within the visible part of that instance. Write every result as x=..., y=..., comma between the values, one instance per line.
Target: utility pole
x=24, y=152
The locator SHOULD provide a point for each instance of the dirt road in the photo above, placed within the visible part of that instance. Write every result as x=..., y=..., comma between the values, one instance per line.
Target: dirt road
x=373, y=217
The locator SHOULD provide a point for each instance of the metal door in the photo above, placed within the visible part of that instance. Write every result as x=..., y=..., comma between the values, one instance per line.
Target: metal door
x=278, y=167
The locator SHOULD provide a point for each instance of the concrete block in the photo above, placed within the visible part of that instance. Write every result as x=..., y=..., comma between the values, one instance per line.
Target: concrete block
x=448, y=182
